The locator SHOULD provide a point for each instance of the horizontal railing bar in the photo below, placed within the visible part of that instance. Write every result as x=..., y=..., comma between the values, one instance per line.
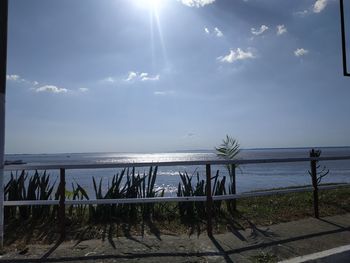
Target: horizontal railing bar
x=175, y=163
x=277, y=192
x=108, y=201
x=139, y=200
x=31, y=202
x=171, y=199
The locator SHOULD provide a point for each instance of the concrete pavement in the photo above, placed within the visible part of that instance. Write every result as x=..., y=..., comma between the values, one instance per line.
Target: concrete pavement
x=271, y=244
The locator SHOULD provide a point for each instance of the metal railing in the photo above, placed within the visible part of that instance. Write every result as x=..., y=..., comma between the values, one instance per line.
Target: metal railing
x=209, y=198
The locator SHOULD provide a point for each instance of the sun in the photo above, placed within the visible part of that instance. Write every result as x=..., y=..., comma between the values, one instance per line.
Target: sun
x=150, y=4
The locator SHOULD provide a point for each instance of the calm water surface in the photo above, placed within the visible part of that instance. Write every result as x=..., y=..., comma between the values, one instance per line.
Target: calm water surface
x=249, y=177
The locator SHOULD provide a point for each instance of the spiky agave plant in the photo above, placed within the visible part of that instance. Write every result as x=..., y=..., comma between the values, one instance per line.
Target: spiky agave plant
x=77, y=193
x=218, y=189
x=186, y=209
x=38, y=187
x=148, y=190
x=190, y=210
x=228, y=150
x=135, y=186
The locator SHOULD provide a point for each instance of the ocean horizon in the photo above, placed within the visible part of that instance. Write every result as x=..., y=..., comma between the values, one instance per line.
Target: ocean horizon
x=249, y=177
x=186, y=150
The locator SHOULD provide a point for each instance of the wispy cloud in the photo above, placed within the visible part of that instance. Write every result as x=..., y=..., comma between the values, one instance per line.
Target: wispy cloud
x=143, y=76
x=34, y=85
x=83, y=89
x=216, y=31
x=146, y=77
x=13, y=77
x=109, y=80
x=51, y=89
x=132, y=75
x=164, y=92
x=235, y=55
x=319, y=6
x=281, y=29
x=259, y=31
x=300, y=52
x=301, y=13
x=19, y=79
x=197, y=3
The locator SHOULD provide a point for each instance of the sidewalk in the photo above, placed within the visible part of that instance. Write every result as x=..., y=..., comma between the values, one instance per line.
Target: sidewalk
x=338, y=254
x=277, y=242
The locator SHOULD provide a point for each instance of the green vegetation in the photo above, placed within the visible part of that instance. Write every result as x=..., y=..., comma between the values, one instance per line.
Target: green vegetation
x=86, y=221
x=37, y=187
x=264, y=257
x=228, y=150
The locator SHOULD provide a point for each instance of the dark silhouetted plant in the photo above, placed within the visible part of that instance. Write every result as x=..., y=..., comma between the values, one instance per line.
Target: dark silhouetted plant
x=228, y=150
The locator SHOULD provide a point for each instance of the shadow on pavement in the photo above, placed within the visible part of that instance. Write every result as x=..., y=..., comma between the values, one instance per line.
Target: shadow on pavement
x=221, y=252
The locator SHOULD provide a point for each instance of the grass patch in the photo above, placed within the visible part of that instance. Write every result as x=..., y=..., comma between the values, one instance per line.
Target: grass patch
x=40, y=223
x=262, y=211
x=264, y=257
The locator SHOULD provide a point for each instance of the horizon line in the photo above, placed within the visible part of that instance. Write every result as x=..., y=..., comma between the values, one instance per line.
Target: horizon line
x=180, y=151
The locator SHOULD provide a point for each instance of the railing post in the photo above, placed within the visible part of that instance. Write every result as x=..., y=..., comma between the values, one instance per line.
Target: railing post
x=3, y=64
x=343, y=39
x=233, y=190
x=209, y=201
x=62, y=205
x=314, y=184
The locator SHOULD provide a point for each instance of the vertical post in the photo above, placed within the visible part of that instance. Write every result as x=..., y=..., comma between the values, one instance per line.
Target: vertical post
x=343, y=38
x=62, y=206
x=233, y=189
x=3, y=63
x=314, y=183
x=209, y=202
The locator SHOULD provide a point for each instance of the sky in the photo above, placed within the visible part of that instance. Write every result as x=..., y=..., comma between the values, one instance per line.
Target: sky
x=165, y=75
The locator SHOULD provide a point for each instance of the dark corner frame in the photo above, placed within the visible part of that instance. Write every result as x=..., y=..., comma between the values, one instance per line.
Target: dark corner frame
x=343, y=39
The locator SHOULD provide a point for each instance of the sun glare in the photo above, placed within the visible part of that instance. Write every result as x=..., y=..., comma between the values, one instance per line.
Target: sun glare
x=150, y=4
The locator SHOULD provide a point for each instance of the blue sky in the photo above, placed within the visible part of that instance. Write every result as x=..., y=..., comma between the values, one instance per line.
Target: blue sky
x=140, y=76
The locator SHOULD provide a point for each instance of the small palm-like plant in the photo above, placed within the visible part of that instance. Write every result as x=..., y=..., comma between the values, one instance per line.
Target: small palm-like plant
x=228, y=150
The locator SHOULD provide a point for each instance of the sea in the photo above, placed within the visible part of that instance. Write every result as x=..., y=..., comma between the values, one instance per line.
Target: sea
x=250, y=177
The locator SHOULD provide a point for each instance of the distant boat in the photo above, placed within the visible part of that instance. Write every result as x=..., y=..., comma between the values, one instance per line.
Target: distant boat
x=14, y=162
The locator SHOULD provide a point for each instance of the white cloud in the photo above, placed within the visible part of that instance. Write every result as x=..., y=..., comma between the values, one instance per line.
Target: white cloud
x=281, y=29
x=51, y=88
x=143, y=76
x=163, y=93
x=319, y=6
x=235, y=55
x=300, y=52
x=160, y=93
x=215, y=31
x=259, y=31
x=301, y=13
x=109, y=80
x=218, y=32
x=146, y=77
x=132, y=75
x=19, y=79
x=13, y=77
x=83, y=89
x=197, y=3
